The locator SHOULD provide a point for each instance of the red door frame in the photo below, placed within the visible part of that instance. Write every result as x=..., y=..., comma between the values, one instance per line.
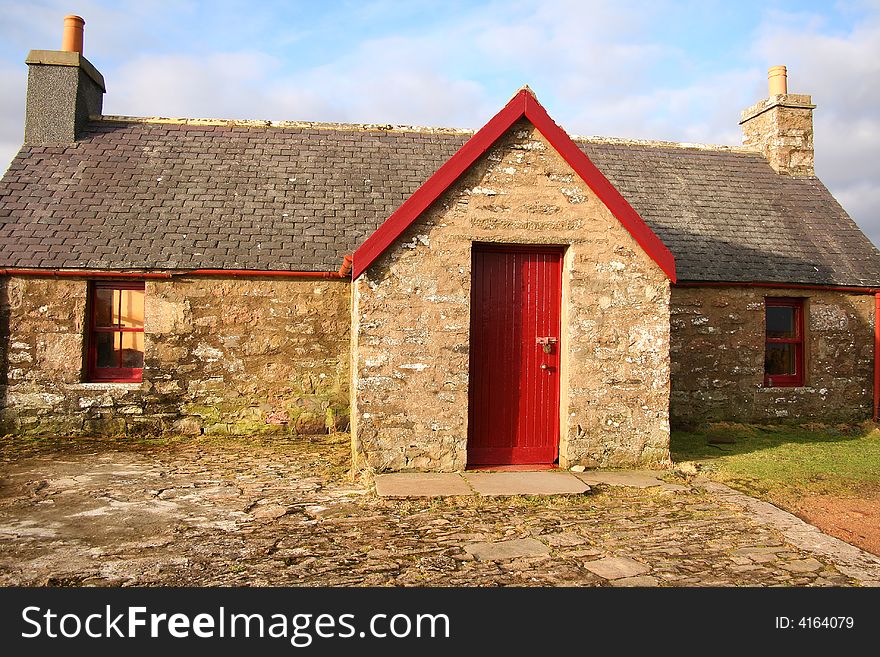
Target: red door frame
x=513, y=414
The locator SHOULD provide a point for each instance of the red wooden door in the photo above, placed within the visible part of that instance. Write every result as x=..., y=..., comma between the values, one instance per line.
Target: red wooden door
x=513, y=400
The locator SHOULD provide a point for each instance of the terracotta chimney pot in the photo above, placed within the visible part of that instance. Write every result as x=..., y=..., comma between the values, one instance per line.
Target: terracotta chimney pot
x=72, y=39
x=777, y=81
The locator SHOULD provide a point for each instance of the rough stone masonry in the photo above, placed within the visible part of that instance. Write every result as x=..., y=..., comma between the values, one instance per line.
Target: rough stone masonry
x=718, y=357
x=410, y=333
x=242, y=356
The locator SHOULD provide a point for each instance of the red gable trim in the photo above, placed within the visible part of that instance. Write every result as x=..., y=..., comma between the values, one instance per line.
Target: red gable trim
x=522, y=104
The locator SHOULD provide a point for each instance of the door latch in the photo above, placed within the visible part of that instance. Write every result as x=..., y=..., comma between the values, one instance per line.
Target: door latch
x=547, y=344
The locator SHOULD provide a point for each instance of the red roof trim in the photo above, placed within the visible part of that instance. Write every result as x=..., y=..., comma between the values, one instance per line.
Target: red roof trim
x=522, y=104
x=607, y=193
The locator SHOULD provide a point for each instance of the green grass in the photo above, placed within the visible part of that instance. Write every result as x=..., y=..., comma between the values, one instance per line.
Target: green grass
x=783, y=462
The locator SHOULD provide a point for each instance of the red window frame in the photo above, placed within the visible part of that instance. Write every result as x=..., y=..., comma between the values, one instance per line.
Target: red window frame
x=787, y=380
x=109, y=374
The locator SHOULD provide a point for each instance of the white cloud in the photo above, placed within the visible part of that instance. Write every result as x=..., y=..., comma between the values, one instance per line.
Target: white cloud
x=579, y=49
x=706, y=111
x=12, y=91
x=231, y=85
x=391, y=80
x=255, y=86
x=842, y=73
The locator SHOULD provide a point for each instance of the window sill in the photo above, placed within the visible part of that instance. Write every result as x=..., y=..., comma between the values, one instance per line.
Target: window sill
x=793, y=386
x=106, y=385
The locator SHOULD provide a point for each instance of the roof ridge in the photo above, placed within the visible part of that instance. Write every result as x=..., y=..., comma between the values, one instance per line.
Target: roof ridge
x=267, y=123
x=659, y=143
x=393, y=127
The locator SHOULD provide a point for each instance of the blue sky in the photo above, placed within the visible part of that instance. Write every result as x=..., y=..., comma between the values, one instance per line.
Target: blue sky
x=678, y=71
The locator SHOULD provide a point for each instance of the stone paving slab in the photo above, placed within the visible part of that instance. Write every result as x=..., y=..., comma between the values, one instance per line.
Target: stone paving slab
x=426, y=484
x=421, y=484
x=628, y=478
x=513, y=549
x=617, y=567
x=525, y=483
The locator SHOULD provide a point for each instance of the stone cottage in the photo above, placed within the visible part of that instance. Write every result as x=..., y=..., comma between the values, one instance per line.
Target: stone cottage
x=513, y=296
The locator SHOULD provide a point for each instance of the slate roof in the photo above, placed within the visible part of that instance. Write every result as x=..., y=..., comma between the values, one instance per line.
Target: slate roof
x=728, y=216
x=152, y=195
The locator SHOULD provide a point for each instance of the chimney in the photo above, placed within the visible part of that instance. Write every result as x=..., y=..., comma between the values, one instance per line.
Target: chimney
x=63, y=91
x=781, y=127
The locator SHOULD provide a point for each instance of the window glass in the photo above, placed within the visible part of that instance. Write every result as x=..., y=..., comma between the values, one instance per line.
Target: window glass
x=132, y=349
x=780, y=359
x=104, y=306
x=123, y=308
x=130, y=311
x=781, y=322
x=105, y=351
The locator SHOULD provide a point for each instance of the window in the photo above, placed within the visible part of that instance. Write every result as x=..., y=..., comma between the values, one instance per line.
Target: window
x=784, y=342
x=116, y=332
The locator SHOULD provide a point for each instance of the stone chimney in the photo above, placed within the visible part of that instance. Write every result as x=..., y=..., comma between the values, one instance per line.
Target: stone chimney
x=781, y=127
x=63, y=91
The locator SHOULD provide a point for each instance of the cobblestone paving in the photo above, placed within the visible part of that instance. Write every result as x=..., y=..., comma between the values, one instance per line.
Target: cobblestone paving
x=281, y=512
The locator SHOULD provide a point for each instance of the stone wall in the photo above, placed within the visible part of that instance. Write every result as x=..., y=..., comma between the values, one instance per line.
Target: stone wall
x=240, y=356
x=411, y=320
x=717, y=353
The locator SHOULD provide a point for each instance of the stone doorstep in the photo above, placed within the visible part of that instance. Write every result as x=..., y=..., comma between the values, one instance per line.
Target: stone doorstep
x=446, y=484
x=421, y=484
x=526, y=483
x=507, y=483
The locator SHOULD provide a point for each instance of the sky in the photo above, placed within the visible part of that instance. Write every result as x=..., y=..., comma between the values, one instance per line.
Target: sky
x=678, y=71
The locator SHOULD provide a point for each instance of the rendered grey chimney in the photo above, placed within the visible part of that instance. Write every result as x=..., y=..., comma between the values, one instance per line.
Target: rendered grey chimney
x=64, y=89
x=781, y=127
